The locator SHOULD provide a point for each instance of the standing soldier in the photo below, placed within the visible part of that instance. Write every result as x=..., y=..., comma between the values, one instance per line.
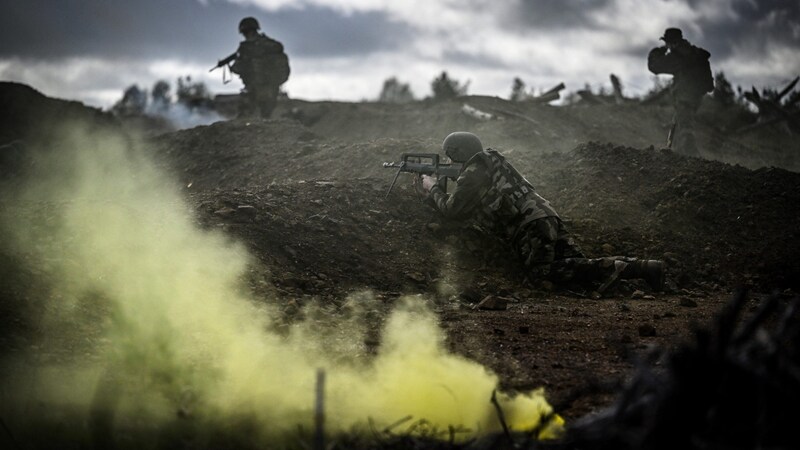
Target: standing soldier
x=692, y=79
x=263, y=67
x=491, y=194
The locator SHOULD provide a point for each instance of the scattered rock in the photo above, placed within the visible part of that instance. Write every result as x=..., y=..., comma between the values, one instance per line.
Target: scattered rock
x=225, y=212
x=246, y=212
x=470, y=295
x=416, y=276
x=687, y=302
x=290, y=251
x=434, y=227
x=647, y=330
x=493, y=303
x=637, y=294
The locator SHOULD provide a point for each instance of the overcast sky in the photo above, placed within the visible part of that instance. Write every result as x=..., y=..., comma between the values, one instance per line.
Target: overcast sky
x=90, y=50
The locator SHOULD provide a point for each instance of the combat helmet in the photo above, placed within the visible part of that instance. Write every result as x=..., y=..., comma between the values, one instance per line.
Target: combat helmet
x=672, y=35
x=461, y=146
x=249, y=23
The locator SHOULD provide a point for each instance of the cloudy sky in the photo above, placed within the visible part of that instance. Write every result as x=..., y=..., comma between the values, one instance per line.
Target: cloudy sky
x=90, y=50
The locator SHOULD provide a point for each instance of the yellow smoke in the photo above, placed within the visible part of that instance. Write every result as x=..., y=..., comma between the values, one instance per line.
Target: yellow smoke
x=147, y=323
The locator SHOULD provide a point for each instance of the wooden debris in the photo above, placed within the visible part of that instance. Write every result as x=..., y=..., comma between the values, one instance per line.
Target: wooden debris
x=618, y=97
x=757, y=125
x=493, y=303
x=549, y=95
x=501, y=416
x=506, y=112
x=476, y=113
x=319, y=411
x=770, y=110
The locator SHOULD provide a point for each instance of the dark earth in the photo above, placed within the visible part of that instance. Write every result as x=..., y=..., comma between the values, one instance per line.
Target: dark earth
x=307, y=194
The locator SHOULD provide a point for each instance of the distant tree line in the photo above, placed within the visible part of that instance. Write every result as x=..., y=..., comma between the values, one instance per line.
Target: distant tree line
x=189, y=94
x=443, y=87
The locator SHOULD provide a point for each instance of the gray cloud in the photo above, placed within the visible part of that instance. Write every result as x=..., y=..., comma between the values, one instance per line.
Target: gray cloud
x=553, y=14
x=471, y=60
x=326, y=33
x=338, y=47
x=185, y=29
x=761, y=25
x=740, y=37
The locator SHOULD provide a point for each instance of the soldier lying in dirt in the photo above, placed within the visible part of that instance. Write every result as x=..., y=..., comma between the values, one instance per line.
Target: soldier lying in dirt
x=491, y=193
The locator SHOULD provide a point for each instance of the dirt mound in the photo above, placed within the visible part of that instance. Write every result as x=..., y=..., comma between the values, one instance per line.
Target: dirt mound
x=723, y=221
x=26, y=113
x=727, y=223
x=307, y=195
x=537, y=128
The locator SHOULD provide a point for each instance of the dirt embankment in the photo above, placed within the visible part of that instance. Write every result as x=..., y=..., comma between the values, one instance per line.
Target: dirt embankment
x=306, y=195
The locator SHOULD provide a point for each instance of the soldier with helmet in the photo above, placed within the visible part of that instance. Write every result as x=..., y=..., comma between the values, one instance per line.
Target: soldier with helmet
x=263, y=67
x=692, y=79
x=493, y=195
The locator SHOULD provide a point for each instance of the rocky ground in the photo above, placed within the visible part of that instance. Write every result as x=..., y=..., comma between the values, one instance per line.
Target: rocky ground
x=307, y=195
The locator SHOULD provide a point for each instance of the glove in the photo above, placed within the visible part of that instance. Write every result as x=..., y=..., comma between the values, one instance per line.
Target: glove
x=428, y=182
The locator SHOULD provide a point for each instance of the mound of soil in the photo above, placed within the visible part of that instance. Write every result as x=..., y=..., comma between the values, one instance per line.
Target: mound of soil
x=717, y=224
x=307, y=194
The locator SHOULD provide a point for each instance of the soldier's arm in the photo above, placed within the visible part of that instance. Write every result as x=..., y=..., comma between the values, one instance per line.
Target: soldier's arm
x=466, y=196
x=659, y=61
x=243, y=53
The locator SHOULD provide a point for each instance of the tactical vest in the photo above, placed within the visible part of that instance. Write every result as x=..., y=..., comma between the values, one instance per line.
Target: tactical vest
x=510, y=202
x=262, y=61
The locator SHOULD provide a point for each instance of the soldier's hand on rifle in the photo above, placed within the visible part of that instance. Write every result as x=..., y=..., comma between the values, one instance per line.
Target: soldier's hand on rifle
x=419, y=185
x=428, y=182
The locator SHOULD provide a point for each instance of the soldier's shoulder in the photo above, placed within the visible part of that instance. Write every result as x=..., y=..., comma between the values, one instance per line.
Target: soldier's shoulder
x=700, y=51
x=268, y=42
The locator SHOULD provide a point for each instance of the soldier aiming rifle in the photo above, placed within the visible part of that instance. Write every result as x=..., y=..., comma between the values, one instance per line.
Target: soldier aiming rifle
x=491, y=194
x=263, y=66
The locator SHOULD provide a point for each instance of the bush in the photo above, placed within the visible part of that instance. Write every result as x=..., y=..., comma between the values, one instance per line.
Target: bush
x=133, y=102
x=518, y=92
x=444, y=87
x=395, y=92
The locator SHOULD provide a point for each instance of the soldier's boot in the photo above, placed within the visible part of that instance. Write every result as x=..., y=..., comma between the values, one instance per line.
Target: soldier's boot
x=650, y=270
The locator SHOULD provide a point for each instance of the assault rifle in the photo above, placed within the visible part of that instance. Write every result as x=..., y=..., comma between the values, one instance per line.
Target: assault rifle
x=423, y=164
x=224, y=62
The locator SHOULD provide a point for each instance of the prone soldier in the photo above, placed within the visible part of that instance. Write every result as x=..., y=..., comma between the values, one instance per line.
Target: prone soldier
x=493, y=195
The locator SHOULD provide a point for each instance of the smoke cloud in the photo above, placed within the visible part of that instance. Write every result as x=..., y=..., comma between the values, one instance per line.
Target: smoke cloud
x=148, y=334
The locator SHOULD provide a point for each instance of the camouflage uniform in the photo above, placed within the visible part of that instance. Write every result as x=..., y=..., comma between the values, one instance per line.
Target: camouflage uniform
x=692, y=78
x=490, y=192
x=255, y=64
